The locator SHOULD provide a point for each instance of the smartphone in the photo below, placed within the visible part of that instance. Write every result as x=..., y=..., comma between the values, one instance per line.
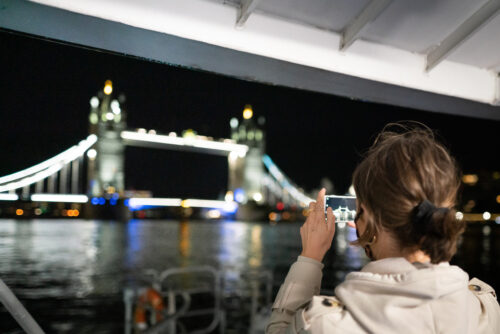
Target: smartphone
x=344, y=207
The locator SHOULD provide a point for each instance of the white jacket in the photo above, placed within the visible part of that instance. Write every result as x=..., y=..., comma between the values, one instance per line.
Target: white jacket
x=386, y=296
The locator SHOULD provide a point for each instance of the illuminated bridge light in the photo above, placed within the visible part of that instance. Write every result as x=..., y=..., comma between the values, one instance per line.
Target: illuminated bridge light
x=284, y=183
x=66, y=156
x=186, y=142
x=139, y=201
x=67, y=198
x=47, y=168
x=9, y=197
x=212, y=204
x=108, y=87
x=247, y=112
x=32, y=179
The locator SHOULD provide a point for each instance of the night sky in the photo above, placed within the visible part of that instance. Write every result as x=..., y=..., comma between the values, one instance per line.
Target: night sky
x=44, y=106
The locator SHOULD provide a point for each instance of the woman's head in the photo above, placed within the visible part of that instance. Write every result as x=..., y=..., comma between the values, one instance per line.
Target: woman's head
x=403, y=180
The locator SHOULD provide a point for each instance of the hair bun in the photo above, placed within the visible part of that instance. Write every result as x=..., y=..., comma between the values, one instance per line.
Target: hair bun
x=423, y=216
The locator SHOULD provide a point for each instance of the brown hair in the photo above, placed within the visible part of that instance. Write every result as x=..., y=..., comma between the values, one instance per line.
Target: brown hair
x=405, y=167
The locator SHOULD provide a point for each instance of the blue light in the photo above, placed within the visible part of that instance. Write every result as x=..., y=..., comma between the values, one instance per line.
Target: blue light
x=115, y=196
x=95, y=201
x=102, y=201
x=239, y=195
x=112, y=201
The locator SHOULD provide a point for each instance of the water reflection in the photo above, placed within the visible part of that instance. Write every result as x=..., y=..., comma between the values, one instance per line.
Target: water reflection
x=71, y=274
x=184, y=242
x=255, y=259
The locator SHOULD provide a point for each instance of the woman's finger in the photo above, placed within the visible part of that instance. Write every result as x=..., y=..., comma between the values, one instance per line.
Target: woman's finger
x=351, y=224
x=320, y=201
x=330, y=220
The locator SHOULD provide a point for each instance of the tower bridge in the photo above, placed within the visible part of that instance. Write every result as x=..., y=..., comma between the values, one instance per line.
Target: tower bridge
x=253, y=178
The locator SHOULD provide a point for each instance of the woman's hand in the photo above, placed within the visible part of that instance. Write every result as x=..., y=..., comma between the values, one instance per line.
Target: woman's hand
x=316, y=233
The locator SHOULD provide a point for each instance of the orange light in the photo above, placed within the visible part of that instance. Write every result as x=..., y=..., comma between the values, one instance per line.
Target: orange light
x=108, y=87
x=76, y=213
x=272, y=216
x=498, y=199
x=247, y=112
x=470, y=179
x=19, y=212
x=286, y=215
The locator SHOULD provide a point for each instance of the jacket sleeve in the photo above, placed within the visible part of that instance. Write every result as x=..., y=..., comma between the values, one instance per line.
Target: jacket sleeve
x=301, y=284
x=489, y=306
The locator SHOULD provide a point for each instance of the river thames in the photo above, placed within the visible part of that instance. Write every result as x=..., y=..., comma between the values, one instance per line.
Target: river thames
x=71, y=274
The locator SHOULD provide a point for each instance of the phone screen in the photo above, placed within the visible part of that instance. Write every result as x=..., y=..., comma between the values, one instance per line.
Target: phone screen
x=344, y=207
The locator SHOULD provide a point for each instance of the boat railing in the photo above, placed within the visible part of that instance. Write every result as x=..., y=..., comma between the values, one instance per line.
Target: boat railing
x=244, y=294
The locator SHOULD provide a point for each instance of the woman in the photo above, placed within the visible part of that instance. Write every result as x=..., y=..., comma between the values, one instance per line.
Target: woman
x=406, y=189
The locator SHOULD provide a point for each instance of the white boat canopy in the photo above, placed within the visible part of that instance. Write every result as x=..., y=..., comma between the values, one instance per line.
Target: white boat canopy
x=441, y=56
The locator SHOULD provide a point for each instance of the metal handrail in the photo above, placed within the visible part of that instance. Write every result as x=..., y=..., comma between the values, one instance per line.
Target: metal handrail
x=17, y=310
x=259, y=292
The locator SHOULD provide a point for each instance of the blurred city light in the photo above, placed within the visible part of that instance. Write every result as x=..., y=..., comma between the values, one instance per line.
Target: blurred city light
x=9, y=197
x=486, y=215
x=213, y=214
x=40, y=171
x=19, y=212
x=94, y=118
x=247, y=112
x=142, y=136
x=138, y=201
x=234, y=123
x=233, y=156
x=94, y=102
x=229, y=196
x=68, y=198
x=470, y=179
x=239, y=195
x=272, y=216
x=257, y=197
x=459, y=215
x=91, y=154
x=115, y=107
x=108, y=87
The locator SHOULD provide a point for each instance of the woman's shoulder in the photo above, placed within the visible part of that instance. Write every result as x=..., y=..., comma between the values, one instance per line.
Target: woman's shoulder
x=490, y=309
x=324, y=314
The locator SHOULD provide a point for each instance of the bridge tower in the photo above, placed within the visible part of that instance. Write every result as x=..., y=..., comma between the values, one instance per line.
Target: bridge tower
x=246, y=173
x=106, y=163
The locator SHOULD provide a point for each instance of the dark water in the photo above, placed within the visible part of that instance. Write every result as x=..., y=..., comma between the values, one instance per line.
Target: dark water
x=71, y=274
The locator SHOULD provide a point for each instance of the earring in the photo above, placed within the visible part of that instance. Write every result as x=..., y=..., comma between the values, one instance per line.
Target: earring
x=372, y=240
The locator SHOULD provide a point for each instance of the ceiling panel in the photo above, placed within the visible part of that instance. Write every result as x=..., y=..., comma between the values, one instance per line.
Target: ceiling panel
x=482, y=49
x=417, y=25
x=324, y=14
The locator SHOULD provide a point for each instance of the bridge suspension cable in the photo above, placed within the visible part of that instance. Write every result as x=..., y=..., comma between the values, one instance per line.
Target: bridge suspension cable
x=285, y=182
x=46, y=168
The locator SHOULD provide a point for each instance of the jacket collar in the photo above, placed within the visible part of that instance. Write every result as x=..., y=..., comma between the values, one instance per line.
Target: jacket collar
x=396, y=265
